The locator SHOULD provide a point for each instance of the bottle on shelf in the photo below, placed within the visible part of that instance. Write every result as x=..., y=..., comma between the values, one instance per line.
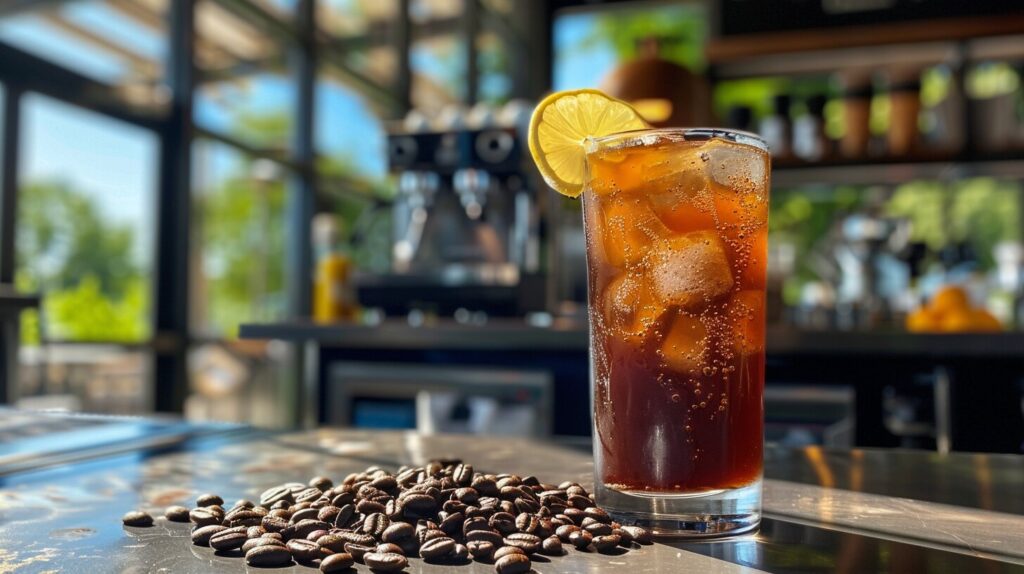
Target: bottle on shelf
x=333, y=290
x=857, y=92
x=904, y=111
x=777, y=130
x=809, y=140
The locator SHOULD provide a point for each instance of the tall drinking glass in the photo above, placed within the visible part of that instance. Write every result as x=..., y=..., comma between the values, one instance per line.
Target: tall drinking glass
x=676, y=223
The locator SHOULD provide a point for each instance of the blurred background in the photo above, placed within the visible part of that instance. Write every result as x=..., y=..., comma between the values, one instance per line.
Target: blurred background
x=300, y=212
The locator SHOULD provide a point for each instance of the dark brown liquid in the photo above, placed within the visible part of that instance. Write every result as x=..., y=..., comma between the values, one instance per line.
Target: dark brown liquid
x=655, y=435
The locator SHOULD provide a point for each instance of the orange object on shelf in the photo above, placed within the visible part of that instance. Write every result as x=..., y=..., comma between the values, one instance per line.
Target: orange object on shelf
x=949, y=311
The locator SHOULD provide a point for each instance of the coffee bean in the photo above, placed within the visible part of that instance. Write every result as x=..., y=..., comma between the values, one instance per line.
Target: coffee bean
x=606, y=543
x=485, y=535
x=599, y=529
x=137, y=518
x=328, y=513
x=385, y=547
x=273, y=523
x=276, y=494
x=321, y=482
x=203, y=517
x=574, y=514
x=384, y=483
x=551, y=546
x=503, y=522
x=580, y=502
x=357, y=538
x=385, y=562
x=528, y=543
x=358, y=550
x=581, y=539
x=243, y=517
x=243, y=503
x=368, y=507
x=228, y=539
x=526, y=522
x=452, y=524
x=308, y=494
x=512, y=564
x=338, y=562
x=209, y=500
x=176, y=514
x=463, y=474
x=640, y=535
x=475, y=523
x=437, y=548
x=302, y=528
x=506, y=550
x=315, y=535
x=424, y=535
x=332, y=542
x=375, y=524
x=269, y=555
x=418, y=506
x=201, y=535
x=346, y=514
x=304, y=550
x=254, y=542
x=343, y=498
x=282, y=513
x=274, y=535
x=255, y=531
x=481, y=550
x=398, y=531
x=527, y=505
x=305, y=514
x=597, y=514
x=467, y=495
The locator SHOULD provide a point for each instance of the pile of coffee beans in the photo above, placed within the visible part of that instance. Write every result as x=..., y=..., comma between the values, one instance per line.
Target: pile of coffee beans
x=443, y=512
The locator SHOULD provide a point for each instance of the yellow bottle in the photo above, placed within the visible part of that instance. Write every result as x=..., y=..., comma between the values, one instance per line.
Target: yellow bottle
x=333, y=291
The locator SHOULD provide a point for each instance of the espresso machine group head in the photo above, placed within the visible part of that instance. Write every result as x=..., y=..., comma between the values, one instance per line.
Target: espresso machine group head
x=466, y=224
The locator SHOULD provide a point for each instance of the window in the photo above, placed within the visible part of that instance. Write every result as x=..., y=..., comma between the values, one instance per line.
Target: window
x=244, y=90
x=238, y=239
x=85, y=222
x=85, y=243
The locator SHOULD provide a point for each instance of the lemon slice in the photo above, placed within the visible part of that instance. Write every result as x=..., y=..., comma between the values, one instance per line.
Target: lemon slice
x=560, y=125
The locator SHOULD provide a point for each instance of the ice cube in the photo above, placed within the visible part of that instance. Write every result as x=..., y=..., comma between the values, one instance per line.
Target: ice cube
x=689, y=270
x=631, y=311
x=628, y=228
x=685, y=204
x=736, y=167
x=745, y=313
x=685, y=346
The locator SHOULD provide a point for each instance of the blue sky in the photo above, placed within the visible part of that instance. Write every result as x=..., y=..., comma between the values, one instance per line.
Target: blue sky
x=573, y=68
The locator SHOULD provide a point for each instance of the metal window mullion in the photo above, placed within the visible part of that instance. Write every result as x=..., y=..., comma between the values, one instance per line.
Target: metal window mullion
x=470, y=28
x=171, y=277
x=9, y=181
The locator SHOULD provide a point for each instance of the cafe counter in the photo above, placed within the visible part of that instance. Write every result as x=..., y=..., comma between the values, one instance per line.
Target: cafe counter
x=847, y=511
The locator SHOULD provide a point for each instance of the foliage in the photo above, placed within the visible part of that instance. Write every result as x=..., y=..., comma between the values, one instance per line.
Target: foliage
x=84, y=265
x=681, y=31
x=241, y=234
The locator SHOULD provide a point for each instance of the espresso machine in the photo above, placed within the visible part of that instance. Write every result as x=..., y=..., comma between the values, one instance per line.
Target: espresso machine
x=467, y=219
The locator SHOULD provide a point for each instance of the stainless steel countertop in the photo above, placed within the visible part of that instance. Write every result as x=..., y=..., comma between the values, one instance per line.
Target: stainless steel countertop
x=825, y=511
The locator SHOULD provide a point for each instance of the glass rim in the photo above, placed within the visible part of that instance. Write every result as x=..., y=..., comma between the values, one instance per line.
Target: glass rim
x=637, y=138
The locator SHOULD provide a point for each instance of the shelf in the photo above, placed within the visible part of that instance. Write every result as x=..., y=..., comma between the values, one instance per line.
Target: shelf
x=759, y=53
x=894, y=173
